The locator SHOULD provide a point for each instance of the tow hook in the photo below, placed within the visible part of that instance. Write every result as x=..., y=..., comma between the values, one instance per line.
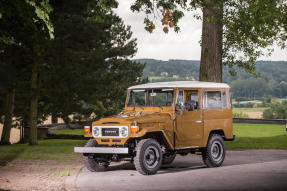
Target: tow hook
x=115, y=158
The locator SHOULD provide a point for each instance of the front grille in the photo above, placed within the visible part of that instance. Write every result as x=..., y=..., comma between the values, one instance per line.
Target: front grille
x=113, y=132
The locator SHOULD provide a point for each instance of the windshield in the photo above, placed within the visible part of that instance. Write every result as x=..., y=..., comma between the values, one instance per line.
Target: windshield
x=151, y=97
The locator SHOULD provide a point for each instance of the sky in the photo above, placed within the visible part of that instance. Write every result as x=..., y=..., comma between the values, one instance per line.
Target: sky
x=182, y=45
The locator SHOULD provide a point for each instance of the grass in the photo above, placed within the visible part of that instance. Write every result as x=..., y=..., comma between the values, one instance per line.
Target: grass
x=52, y=149
x=257, y=109
x=70, y=132
x=258, y=136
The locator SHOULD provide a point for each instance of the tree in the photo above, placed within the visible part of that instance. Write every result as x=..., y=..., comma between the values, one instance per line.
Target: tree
x=235, y=33
x=92, y=47
x=276, y=111
x=28, y=31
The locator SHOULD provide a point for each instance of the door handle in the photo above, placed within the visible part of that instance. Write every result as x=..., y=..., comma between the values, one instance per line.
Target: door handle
x=197, y=121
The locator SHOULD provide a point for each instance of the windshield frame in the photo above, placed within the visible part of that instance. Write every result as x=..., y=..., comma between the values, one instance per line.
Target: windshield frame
x=147, y=97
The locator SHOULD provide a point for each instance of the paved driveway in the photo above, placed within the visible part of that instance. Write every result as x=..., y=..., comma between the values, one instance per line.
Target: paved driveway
x=242, y=170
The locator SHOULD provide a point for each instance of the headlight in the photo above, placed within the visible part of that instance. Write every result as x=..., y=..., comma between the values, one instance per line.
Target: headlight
x=96, y=131
x=124, y=132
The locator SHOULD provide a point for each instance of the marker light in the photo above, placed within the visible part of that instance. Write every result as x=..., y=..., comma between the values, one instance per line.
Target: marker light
x=134, y=128
x=87, y=129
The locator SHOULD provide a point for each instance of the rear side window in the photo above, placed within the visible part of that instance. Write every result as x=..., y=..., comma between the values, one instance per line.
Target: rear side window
x=215, y=99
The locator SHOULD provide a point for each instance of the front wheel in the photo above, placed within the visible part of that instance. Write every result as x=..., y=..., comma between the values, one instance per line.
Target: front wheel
x=148, y=157
x=91, y=163
x=213, y=155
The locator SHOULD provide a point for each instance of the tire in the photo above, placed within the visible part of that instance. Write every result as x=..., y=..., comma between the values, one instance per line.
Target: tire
x=92, y=164
x=213, y=155
x=148, y=157
x=168, y=158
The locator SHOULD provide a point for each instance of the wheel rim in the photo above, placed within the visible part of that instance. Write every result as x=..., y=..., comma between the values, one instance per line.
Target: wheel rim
x=216, y=151
x=151, y=157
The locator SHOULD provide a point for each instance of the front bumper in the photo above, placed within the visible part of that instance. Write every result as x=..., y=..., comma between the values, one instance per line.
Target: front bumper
x=102, y=150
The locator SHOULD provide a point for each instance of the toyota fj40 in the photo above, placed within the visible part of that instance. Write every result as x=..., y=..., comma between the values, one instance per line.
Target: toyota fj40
x=159, y=121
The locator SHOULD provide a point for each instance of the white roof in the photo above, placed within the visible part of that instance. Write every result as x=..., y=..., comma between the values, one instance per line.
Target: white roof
x=181, y=84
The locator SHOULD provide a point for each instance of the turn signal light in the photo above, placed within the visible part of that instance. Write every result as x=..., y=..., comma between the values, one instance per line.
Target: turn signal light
x=135, y=129
x=87, y=129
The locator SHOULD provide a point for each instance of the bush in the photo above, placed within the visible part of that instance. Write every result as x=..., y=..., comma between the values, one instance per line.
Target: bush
x=239, y=115
x=276, y=111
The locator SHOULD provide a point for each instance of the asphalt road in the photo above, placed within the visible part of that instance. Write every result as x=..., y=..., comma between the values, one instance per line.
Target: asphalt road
x=242, y=170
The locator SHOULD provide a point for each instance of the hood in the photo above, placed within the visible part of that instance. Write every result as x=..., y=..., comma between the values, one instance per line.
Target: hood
x=127, y=117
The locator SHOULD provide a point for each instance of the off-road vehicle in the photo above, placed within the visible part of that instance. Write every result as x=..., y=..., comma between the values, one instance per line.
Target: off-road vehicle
x=159, y=121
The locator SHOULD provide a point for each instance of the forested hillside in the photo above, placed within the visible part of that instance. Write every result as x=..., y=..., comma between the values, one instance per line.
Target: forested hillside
x=272, y=79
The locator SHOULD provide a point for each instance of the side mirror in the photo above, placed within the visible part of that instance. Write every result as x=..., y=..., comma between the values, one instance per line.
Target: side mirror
x=178, y=106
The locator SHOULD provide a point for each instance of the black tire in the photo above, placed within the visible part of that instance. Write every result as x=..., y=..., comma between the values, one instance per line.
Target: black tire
x=213, y=155
x=92, y=164
x=168, y=158
x=148, y=157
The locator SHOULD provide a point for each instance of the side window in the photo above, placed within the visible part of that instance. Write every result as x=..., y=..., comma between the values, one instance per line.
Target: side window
x=224, y=99
x=191, y=98
x=180, y=100
x=213, y=100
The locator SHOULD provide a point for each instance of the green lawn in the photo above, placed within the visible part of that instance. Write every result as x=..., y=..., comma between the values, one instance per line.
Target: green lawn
x=258, y=136
x=70, y=132
x=50, y=149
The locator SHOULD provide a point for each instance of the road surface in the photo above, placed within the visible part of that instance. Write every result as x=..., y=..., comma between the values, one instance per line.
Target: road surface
x=242, y=170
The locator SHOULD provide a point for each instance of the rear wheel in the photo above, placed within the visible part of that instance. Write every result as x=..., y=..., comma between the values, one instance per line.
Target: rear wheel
x=168, y=158
x=148, y=157
x=91, y=163
x=213, y=155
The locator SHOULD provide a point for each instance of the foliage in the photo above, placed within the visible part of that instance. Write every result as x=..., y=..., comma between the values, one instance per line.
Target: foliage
x=92, y=47
x=239, y=115
x=26, y=15
x=276, y=111
x=250, y=28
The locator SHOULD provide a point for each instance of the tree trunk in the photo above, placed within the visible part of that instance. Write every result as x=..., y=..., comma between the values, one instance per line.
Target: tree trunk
x=33, y=105
x=67, y=121
x=54, y=118
x=211, y=48
x=9, y=108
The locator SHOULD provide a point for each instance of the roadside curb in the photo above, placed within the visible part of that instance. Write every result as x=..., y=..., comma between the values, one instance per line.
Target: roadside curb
x=71, y=181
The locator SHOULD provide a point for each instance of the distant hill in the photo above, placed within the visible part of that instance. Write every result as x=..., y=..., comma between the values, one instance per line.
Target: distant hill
x=272, y=76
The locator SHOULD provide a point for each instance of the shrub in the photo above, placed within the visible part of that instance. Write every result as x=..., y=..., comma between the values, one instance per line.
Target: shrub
x=239, y=115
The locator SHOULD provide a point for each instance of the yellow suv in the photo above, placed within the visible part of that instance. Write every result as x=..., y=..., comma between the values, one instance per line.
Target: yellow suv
x=159, y=121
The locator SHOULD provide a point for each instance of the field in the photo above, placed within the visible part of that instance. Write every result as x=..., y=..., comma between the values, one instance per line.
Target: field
x=258, y=136
x=251, y=112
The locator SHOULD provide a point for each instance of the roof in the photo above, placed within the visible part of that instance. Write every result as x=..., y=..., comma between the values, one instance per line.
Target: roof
x=181, y=84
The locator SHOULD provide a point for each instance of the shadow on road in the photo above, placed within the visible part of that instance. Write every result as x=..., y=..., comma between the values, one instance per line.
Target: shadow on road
x=194, y=162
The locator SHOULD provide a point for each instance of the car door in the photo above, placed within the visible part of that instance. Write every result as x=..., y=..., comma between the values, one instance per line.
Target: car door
x=189, y=123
